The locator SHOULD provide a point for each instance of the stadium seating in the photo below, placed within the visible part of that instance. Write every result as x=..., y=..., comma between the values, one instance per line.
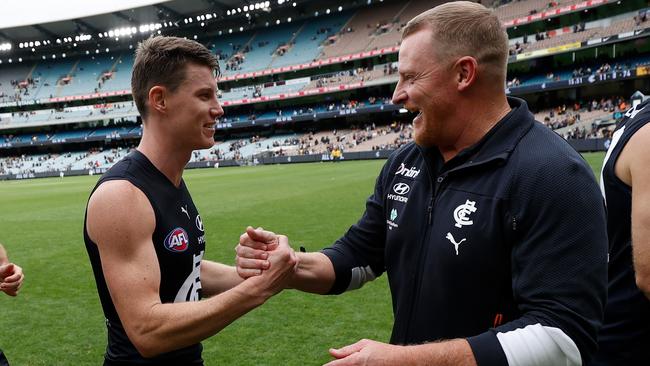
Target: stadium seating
x=48, y=75
x=121, y=78
x=87, y=76
x=307, y=43
x=11, y=75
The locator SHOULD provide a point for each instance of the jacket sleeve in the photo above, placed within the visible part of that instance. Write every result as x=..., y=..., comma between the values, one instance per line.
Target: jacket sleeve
x=559, y=269
x=358, y=256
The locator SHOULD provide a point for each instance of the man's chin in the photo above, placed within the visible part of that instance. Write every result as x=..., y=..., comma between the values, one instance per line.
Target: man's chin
x=422, y=141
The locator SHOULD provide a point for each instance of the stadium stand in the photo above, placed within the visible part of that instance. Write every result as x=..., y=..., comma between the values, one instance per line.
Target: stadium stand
x=256, y=105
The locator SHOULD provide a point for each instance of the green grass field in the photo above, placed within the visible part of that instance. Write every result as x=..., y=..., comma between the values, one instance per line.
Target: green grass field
x=57, y=319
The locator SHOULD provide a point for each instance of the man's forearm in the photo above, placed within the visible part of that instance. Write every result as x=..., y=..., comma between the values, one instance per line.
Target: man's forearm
x=217, y=278
x=168, y=327
x=315, y=273
x=456, y=352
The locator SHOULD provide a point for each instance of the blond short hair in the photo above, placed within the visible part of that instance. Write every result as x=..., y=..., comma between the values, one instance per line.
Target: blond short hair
x=464, y=28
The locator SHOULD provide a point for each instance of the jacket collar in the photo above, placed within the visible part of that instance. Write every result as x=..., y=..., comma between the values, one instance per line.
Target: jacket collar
x=502, y=139
x=497, y=144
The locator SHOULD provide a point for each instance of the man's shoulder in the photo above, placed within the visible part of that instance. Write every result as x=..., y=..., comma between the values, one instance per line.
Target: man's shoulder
x=116, y=193
x=405, y=152
x=118, y=205
x=544, y=159
x=542, y=146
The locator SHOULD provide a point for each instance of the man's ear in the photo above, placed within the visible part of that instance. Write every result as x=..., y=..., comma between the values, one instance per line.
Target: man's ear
x=157, y=99
x=466, y=69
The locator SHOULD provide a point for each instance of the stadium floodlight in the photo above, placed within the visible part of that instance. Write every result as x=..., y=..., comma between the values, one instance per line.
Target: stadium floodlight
x=241, y=29
x=5, y=46
x=33, y=49
x=53, y=56
x=195, y=37
x=315, y=13
x=230, y=30
x=294, y=5
x=20, y=45
x=267, y=4
x=107, y=50
x=327, y=11
x=20, y=59
x=340, y=8
x=277, y=21
x=245, y=7
x=31, y=44
x=208, y=16
x=63, y=55
x=227, y=12
x=289, y=19
x=9, y=60
x=280, y=2
x=87, y=53
x=74, y=44
x=239, y=10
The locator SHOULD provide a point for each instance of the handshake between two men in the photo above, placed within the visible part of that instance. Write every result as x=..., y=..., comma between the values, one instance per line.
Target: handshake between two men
x=264, y=256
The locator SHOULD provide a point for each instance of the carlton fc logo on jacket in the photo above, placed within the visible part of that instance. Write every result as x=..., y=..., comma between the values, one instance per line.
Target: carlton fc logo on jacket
x=177, y=240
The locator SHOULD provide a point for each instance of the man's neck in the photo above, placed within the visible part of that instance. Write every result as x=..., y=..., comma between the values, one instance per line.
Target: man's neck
x=164, y=155
x=479, y=120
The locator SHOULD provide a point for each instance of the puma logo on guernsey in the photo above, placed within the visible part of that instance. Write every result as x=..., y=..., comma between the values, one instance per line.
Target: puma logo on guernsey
x=453, y=241
x=184, y=210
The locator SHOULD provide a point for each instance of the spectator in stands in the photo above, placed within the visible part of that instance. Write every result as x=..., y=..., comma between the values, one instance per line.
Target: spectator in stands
x=486, y=246
x=11, y=280
x=153, y=264
x=625, y=336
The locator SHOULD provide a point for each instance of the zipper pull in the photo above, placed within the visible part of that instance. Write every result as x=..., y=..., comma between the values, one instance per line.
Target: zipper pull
x=429, y=211
x=514, y=223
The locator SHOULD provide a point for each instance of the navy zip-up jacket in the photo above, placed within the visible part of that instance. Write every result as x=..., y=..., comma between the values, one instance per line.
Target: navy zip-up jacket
x=504, y=245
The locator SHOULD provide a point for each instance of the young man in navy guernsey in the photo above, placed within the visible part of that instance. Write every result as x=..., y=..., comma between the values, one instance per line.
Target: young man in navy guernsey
x=625, y=183
x=491, y=228
x=143, y=234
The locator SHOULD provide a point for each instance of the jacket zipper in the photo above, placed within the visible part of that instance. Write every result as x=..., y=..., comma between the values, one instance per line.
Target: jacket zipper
x=416, y=279
x=435, y=188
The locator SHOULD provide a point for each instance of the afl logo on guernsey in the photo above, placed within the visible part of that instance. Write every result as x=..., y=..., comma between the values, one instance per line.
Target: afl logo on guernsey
x=177, y=240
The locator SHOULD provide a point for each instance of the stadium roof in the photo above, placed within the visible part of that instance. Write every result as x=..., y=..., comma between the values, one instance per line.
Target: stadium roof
x=29, y=20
